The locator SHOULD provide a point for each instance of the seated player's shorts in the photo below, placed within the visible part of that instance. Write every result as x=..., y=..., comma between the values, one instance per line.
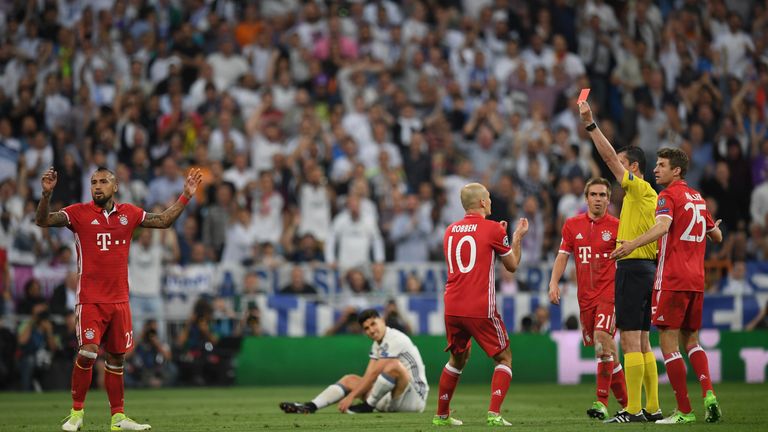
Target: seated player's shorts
x=490, y=334
x=601, y=317
x=109, y=323
x=634, y=283
x=677, y=309
x=411, y=400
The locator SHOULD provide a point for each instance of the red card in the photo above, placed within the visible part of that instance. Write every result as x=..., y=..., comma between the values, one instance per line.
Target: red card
x=583, y=95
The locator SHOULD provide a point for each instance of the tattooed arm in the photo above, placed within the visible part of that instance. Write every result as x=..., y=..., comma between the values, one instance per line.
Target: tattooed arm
x=169, y=216
x=43, y=216
x=164, y=219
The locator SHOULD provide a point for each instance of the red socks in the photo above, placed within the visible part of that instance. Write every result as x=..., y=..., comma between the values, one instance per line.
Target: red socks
x=502, y=376
x=113, y=382
x=81, y=378
x=619, y=385
x=604, y=372
x=676, y=373
x=448, y=380
x=700, y=364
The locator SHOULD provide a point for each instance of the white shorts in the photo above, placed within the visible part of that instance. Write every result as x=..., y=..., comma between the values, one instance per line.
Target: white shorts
x=409, y=401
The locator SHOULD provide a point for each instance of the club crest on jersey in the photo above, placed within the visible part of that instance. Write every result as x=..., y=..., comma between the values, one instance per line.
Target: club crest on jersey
x=606, y=236
x=90, y=333
x=662, y=201
x=506, y=241
x=123, y=219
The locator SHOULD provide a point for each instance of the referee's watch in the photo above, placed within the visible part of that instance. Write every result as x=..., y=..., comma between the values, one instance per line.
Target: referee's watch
x=590, y=127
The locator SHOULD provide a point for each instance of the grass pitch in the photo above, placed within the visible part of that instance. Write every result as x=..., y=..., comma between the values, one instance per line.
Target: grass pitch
x=540, y=407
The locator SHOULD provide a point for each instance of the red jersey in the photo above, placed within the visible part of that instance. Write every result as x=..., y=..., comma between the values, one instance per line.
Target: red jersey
x=102, y=240
x=591, y=242
x=681, y=249
x=470, y=247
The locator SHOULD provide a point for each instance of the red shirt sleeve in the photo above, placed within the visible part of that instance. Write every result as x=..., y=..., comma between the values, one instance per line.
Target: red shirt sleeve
x=73, y=215
x=710, y=222
x=665, y=205
x=137, y=215
x=499, y=239
x=566, y=244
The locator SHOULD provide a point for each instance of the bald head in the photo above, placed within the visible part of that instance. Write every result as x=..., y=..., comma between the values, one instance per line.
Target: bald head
x=472, y=194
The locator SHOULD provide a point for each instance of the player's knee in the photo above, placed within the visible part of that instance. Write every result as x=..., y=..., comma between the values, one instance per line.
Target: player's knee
x=115, y=360
x=85, y=359
x=93, y=348
x=395, y=369
x=348, y=380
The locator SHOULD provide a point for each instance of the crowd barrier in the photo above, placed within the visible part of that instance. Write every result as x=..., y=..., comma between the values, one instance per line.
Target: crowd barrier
x=557, y=357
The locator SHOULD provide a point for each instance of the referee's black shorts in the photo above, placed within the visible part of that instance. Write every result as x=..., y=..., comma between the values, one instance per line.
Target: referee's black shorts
x=634, y=284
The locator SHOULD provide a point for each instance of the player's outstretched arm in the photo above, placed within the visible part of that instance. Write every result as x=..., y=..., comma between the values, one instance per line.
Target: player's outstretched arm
x=169, y=216
x=557, y=272
x=512, y=260
x=654, y=233
x=604, y=146
x=43, y=216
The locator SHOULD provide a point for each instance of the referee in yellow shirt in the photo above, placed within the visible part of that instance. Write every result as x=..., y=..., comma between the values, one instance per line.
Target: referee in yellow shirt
x=634, y=275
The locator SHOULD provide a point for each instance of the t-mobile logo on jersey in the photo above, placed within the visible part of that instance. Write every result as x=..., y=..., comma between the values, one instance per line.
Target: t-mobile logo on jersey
x=585, y=253
x=104, y=240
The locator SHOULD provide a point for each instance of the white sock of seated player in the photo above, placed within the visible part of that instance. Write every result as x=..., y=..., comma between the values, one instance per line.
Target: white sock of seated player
x=383, y=385
x=332, y=394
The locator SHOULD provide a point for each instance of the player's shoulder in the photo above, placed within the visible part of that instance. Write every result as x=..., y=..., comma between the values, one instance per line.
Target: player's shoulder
x=126, y=207
x=77, y=208
x=394, y=335
x=576, y=221
x=611, y=219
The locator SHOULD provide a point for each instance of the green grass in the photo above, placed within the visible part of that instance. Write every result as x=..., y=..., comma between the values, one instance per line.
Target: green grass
x=541, y=407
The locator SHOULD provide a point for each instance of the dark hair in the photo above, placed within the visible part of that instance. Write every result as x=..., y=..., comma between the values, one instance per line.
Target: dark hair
x=366, y=315
x=634, y=154
x=597, y=181
x=108, y=171
x=677, y=159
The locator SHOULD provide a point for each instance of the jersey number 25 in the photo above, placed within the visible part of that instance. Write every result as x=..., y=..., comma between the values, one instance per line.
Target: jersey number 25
x=697, y=218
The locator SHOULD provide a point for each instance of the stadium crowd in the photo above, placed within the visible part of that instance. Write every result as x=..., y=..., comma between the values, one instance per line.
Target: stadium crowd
x=340, y=132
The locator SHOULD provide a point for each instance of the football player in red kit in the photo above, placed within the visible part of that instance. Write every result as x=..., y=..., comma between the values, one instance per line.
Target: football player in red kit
x=471, y=246
x=591, y=237
x=103, y=229
x=682, y=224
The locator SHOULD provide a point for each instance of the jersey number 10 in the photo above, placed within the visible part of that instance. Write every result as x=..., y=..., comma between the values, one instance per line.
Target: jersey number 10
x=697, y=218
x=459, y=259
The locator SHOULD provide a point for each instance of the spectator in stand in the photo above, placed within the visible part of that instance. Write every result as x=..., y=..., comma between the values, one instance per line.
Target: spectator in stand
x=145, y=277
x=250, y=325
x=239, y=238
x=216, y=218
x=33, y=296
x=315, y=197
x=267, y=204
x=195, y=343
x=64, y=296
x=410, y=231
x=37, y=343
x=168, y=185
x=150, y=363
x=239, y=174
x=298, y=284
x=353, y=239
x=736, y=282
